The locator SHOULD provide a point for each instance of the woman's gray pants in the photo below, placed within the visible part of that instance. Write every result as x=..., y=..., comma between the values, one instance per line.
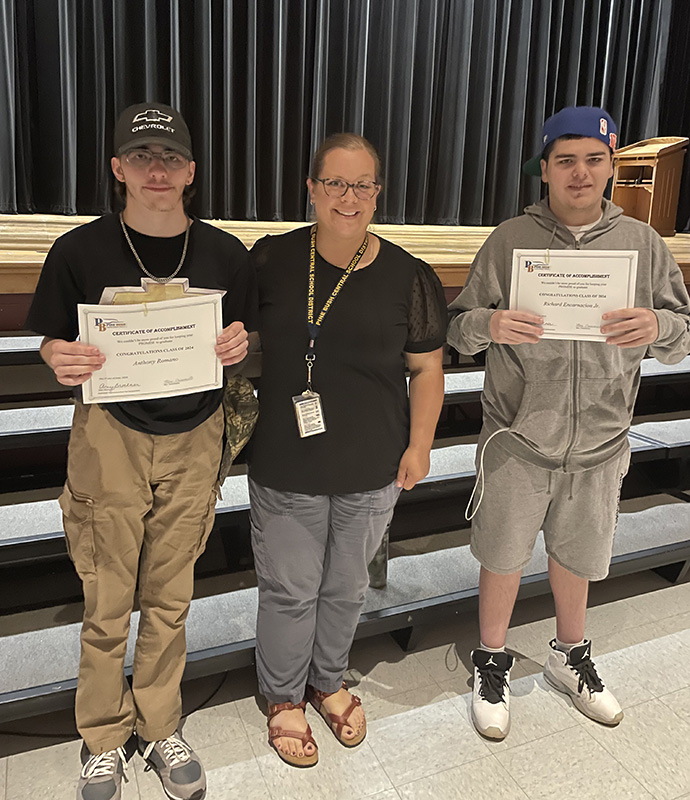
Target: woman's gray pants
x=311, y=554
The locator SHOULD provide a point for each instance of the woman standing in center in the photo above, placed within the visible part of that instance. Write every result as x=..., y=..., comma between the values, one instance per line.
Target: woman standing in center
x=342, y=313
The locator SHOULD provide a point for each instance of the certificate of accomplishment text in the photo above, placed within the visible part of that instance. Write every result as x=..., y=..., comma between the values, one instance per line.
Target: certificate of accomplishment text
x=153, y=350
x=571, y=289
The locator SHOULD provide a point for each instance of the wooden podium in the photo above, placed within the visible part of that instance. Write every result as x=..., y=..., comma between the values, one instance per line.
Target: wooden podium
x=646, y=181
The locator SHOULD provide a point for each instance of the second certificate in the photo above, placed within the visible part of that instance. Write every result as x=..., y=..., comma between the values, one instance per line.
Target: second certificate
x=571, y=289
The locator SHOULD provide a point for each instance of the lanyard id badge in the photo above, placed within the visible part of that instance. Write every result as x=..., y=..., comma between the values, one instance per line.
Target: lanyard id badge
x=309, y=413
x=308, y=407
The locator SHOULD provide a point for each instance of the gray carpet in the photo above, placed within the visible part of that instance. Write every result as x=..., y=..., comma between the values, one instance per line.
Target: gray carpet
x=451, y=461
x=458, y=382
x=36, y=420
x=27, y=521
x=22, y=522
x=665, y=521
x=37, y=658
x=650, y=366
x=671, y=432
x=13, y=344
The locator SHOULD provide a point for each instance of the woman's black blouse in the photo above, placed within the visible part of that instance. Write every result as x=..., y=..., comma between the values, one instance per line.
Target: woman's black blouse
x=393, y=306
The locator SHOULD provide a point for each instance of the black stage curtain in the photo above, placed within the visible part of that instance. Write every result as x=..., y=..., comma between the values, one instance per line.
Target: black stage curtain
x=451, y=92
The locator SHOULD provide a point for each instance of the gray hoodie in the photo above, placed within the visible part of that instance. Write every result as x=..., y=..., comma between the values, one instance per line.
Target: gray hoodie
x=568, y=404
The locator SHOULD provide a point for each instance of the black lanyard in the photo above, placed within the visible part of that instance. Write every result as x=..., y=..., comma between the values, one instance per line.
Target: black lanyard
x=315, y=327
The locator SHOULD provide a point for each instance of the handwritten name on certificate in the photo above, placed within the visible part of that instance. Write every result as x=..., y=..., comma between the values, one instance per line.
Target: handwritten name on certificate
x=571, y=289
x=153, y=350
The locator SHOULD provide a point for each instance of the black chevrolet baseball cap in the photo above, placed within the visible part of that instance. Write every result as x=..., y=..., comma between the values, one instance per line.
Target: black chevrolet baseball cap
x=152, y=123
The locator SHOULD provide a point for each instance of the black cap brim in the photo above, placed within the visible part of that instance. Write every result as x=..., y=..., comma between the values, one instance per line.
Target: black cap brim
x=533, y=166
x=162, y=141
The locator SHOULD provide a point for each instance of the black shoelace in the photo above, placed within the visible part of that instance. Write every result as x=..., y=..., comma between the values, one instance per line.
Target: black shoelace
x=587, y=676
x=493, y=684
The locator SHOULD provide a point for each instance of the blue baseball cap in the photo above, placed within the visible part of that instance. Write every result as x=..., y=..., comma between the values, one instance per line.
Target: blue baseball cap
x=589, y=121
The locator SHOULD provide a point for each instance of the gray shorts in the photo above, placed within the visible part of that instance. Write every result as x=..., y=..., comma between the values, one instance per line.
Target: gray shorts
x=577, y=511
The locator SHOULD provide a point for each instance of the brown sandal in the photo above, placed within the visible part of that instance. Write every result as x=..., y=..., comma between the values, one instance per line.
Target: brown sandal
x=303, y=736
x=336, y=722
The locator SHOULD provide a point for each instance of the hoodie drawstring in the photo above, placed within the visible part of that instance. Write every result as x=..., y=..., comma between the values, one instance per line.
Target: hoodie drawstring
x=547, y=256
x=479, y=481
x=571, y=484
x=480, y=478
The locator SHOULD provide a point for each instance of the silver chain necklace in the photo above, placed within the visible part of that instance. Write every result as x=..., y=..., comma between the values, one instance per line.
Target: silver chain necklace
x=139, y=261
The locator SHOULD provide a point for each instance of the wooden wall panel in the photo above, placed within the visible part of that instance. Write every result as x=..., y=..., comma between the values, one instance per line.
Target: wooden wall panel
x=25, y=240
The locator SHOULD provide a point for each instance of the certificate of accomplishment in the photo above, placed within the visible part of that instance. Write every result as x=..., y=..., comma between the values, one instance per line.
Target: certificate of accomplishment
x=571, y=289
x=153, y=350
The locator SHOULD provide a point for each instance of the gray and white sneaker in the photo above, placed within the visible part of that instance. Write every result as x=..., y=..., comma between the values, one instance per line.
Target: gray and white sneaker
x=575, y=674
x=491, y=693
x=101, y=775
x=177, y=765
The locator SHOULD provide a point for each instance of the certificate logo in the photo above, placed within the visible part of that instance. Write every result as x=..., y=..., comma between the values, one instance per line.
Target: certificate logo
x=530, y=266
x=103, y=324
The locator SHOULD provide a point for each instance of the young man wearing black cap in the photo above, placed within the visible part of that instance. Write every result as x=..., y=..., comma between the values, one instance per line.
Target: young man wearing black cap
x=553, y=449
x=142, y=476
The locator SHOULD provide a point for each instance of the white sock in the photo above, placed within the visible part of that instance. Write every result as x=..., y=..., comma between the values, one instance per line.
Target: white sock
x=482, y=646
x=565, y=647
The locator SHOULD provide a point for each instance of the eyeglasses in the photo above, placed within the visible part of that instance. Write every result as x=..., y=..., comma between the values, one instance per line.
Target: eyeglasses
x=336, y=187
x=141, y=158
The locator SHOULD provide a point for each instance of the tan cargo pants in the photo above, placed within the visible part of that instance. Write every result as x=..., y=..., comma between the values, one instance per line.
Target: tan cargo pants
x=135, y=505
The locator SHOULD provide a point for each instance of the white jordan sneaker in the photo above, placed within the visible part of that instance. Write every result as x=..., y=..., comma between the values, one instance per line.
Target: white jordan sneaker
x=491, y=693
x=575, y=674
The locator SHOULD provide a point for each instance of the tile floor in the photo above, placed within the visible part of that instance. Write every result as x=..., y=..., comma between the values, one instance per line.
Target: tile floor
x=421, y=743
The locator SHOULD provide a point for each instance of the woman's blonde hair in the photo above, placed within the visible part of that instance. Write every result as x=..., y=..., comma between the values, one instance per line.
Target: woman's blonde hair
x=346, y=141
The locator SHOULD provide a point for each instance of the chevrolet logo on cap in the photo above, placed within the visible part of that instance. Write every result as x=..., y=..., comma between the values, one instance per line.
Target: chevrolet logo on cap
x=151, y=115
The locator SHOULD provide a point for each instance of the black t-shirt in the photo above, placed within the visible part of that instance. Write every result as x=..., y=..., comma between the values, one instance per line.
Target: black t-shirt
x=394, y=305
x=84, y=261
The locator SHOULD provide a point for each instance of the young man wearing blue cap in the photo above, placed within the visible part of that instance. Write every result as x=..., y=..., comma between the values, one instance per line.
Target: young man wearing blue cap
x=553, y=448
x=142, y=475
